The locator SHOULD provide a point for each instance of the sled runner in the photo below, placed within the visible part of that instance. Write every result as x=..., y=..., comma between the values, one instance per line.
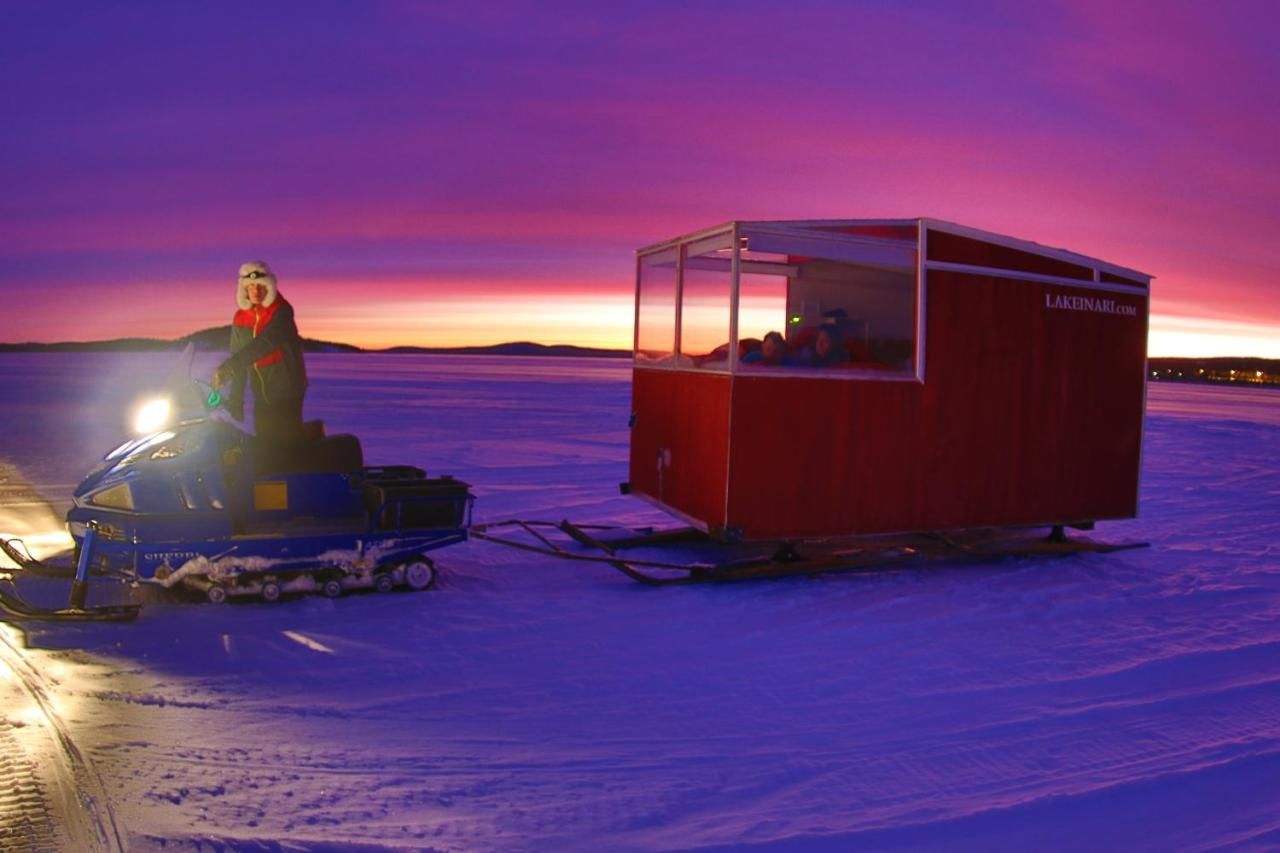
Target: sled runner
x=621, y=549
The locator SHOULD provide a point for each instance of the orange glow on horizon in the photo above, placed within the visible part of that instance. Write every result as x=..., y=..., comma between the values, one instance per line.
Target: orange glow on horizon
x=1194, y=337
x=603, y=321
x=582, y=312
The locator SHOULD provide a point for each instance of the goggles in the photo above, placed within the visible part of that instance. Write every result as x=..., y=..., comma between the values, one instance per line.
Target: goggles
x=256, y=274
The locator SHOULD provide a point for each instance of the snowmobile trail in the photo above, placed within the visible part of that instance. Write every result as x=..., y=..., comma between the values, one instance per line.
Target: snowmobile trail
x=51, y=796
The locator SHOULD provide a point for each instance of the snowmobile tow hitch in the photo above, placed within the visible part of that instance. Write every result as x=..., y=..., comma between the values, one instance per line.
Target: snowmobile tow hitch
x=749, y=561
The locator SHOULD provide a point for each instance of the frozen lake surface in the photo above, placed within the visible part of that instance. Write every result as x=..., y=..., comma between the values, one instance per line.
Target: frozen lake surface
x=1120, y=701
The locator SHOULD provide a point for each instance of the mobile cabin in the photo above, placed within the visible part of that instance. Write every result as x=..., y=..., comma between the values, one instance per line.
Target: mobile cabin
x=930, y=377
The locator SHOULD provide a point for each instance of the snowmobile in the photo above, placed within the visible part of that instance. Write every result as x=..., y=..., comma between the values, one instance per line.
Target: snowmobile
x=199, y=504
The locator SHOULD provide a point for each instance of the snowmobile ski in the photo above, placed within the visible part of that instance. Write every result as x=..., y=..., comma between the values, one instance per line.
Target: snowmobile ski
x=14, y=608
x=59, y=566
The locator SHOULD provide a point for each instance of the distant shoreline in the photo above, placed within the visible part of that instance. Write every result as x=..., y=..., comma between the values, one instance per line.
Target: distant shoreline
x=1256, y=372
x=1224, y=370
x=215, y=340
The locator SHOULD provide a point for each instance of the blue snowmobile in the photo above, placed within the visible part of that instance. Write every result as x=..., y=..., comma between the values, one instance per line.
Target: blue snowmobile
x=202, y=505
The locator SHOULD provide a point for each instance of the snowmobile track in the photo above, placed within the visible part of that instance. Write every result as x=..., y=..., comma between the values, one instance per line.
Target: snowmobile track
x=51, y=796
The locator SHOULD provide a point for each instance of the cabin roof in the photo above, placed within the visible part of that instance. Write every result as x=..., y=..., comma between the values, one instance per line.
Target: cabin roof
x=935, y=224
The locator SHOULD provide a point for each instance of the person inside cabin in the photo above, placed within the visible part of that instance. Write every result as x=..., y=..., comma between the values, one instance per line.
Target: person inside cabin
x=828, y=348
x=266, y=354
x=773, y=352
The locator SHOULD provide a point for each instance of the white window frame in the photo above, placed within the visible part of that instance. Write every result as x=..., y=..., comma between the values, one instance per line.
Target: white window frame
x=825, y=240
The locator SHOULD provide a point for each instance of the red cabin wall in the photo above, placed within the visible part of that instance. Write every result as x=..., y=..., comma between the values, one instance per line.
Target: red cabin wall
x=686, y=413
x=1028, y=415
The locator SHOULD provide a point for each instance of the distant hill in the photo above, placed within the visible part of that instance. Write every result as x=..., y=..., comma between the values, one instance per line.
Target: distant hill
x=119, y=344
x=215, y=340
x=1258, y=371
x=518, y=348
x=212, y=340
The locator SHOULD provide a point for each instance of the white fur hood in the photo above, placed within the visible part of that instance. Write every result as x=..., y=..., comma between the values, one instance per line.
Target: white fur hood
x=264, y=275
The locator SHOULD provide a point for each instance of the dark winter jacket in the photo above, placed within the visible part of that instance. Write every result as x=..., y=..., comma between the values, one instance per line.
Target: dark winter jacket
x=266, y=348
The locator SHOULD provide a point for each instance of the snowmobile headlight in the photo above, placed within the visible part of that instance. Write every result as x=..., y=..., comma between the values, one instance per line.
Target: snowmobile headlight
x=152, y=415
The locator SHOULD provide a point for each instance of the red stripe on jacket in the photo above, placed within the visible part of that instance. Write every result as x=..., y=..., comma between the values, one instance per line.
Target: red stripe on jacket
x=257, y=318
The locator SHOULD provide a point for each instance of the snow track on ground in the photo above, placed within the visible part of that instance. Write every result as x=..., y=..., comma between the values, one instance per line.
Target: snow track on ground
x=51, y=796
x=25, y=819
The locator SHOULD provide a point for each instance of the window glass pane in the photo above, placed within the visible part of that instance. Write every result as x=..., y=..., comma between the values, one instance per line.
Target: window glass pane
x=656, y=323
x=832, y=312
x=762, y=310
x=704, y=310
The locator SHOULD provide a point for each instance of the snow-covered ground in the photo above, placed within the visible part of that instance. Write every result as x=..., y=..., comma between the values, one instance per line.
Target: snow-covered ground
x=1123, y=701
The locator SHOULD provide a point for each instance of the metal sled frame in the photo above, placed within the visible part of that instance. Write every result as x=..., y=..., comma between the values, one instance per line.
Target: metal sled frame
x=603, y=544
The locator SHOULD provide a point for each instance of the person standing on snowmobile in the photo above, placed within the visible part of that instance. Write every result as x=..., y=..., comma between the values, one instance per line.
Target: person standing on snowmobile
x=266, y=352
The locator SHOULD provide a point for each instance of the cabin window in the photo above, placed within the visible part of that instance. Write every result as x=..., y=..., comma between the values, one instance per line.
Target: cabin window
x=865, y=308
x=656, y=308
x=705, y=296
x=817, y=303
x=762, y=309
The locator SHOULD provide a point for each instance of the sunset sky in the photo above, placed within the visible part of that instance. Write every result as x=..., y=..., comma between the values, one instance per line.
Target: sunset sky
x=447, y=173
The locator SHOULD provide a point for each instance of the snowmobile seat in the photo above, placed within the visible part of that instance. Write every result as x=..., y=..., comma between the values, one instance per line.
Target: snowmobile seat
x=336, y=453
x=394, y=472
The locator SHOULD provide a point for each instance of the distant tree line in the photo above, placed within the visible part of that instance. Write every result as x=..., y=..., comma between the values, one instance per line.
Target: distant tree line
x=216, y=339
x=1240, y=371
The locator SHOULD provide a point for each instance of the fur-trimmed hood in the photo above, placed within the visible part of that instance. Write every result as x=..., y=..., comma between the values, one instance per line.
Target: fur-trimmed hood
x=263, y=275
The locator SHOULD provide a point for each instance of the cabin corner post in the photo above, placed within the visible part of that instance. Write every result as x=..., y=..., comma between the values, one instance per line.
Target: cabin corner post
x=677, y=348
x=735, y=269
x=1146, y=372
x=922, y=302
x=635, y=315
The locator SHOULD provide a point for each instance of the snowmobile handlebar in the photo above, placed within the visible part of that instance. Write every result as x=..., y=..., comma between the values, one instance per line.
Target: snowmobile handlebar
x=212, y=395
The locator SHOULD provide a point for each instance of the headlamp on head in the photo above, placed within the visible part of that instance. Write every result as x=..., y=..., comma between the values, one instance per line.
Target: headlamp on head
x=255, y=271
